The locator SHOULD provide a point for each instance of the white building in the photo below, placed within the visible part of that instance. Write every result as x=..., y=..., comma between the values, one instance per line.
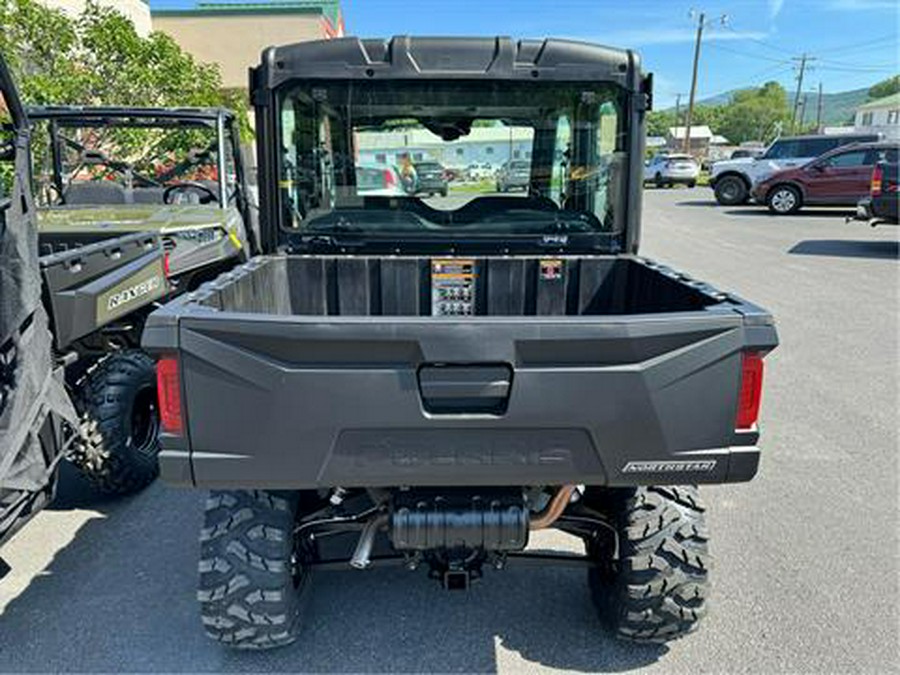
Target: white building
x=488, y=145
x=880, y=116
x=136, y=10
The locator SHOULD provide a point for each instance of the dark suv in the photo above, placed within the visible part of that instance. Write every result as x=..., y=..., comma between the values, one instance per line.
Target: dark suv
x=837, y=178
x=431, y=179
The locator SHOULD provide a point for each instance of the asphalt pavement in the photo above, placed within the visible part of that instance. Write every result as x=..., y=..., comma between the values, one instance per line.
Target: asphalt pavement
x=806, y=576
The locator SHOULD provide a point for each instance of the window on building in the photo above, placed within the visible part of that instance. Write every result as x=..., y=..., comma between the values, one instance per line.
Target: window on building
x=418, y=156
x=489, y=150
x=867, y=119
x=381, y=158
x=459, y=152
x=893, y=117
x=517, y=154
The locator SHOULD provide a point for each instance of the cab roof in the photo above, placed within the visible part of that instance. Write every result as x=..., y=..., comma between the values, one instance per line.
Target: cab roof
x=479, y=58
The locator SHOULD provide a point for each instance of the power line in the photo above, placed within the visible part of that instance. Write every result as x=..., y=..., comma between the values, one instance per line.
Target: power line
x=867, y=44
x=755, y=57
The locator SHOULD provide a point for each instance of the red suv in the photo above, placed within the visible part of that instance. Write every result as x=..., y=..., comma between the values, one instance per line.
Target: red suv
x=837, y=178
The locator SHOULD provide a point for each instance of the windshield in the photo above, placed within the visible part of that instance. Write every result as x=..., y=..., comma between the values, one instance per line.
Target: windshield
x=114, y=161
x=450, y=159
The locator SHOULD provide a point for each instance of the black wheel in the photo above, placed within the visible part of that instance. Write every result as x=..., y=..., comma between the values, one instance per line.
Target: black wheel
x=692, y=184
x=118, y=448
x=731, y=191
x=657, y=588
x=658, y=180
x=251, y=581
x=784, y=199
x=444, y=192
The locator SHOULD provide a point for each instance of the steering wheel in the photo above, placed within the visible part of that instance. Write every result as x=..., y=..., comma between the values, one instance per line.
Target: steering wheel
x=207, y=197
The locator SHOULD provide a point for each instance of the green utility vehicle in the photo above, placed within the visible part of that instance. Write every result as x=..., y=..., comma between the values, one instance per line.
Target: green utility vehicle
x=135, y=205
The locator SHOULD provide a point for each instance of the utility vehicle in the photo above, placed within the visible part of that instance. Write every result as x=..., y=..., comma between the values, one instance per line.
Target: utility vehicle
x=433, y=382
x=134, y=205
x=33, y=404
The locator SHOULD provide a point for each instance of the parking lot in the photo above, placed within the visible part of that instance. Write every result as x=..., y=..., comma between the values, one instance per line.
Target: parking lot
x=806, y=575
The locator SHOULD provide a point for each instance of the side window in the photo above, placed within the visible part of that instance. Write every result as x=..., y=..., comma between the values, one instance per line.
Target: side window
x=847, y=160
x=782, y=150
x=814, y=147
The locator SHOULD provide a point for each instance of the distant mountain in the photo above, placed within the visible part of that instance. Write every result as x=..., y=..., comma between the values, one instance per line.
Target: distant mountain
x=837, y=108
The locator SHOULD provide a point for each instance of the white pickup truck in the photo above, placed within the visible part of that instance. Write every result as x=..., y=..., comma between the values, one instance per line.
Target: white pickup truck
x=733, y=179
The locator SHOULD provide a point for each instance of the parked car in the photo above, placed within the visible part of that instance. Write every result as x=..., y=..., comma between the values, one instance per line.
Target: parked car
x=480, y=171
x=431, y=179
x=379, y=180
x=431, y=386
x=837, y=178
x=514, y=175
x=752, y=153
x=880, y=205
x=732, y=180
x=666, y=170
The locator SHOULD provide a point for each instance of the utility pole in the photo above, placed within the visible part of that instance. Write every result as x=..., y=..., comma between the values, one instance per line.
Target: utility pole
x=678, y=109
x=803, y=59
x=690, y=110
x=803, y=111
x=819, y=111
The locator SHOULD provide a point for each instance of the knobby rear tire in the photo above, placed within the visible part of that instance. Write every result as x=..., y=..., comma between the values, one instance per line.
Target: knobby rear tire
x=250, y=580
x=118, y=449
x=657, y=590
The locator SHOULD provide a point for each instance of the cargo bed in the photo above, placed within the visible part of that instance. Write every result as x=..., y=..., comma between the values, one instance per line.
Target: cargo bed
x=317, y=371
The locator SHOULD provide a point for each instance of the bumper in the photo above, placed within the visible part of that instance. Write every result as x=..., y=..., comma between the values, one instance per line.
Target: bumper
x=373, y=458
x=431, y=185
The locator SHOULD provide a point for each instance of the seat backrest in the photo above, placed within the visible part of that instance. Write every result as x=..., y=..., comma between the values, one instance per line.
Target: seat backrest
x=95, y=192
x=149, y=195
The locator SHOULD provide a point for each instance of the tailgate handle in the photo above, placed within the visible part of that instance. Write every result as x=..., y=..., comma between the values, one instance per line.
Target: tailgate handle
x=465, y=389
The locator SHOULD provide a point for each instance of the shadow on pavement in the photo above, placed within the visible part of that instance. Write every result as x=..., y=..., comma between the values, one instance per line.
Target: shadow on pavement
x=845, y=248
x=121, y=597
x=802, y=213
x=698, y=202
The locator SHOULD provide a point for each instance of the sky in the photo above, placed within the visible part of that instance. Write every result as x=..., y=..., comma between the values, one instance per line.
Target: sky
x=852, y=43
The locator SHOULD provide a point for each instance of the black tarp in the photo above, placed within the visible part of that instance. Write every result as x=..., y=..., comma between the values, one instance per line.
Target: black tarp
x=33, y=403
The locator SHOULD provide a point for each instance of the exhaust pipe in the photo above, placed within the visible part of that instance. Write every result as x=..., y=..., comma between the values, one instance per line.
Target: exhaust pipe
x=362, y=554
x=554, y=510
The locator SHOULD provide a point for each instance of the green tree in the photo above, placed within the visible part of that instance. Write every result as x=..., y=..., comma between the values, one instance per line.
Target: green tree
x=659, y=121
x=99, y=59
x=884, y=88
x=755, y=114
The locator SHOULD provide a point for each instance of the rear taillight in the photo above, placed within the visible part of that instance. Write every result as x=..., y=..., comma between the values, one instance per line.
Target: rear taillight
x=750, y=394
x=169, y=392
x=166, y=264
x=389, y=179
x=877, y=176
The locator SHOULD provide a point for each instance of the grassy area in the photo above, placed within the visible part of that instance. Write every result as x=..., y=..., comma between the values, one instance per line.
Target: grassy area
x=473, y=188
